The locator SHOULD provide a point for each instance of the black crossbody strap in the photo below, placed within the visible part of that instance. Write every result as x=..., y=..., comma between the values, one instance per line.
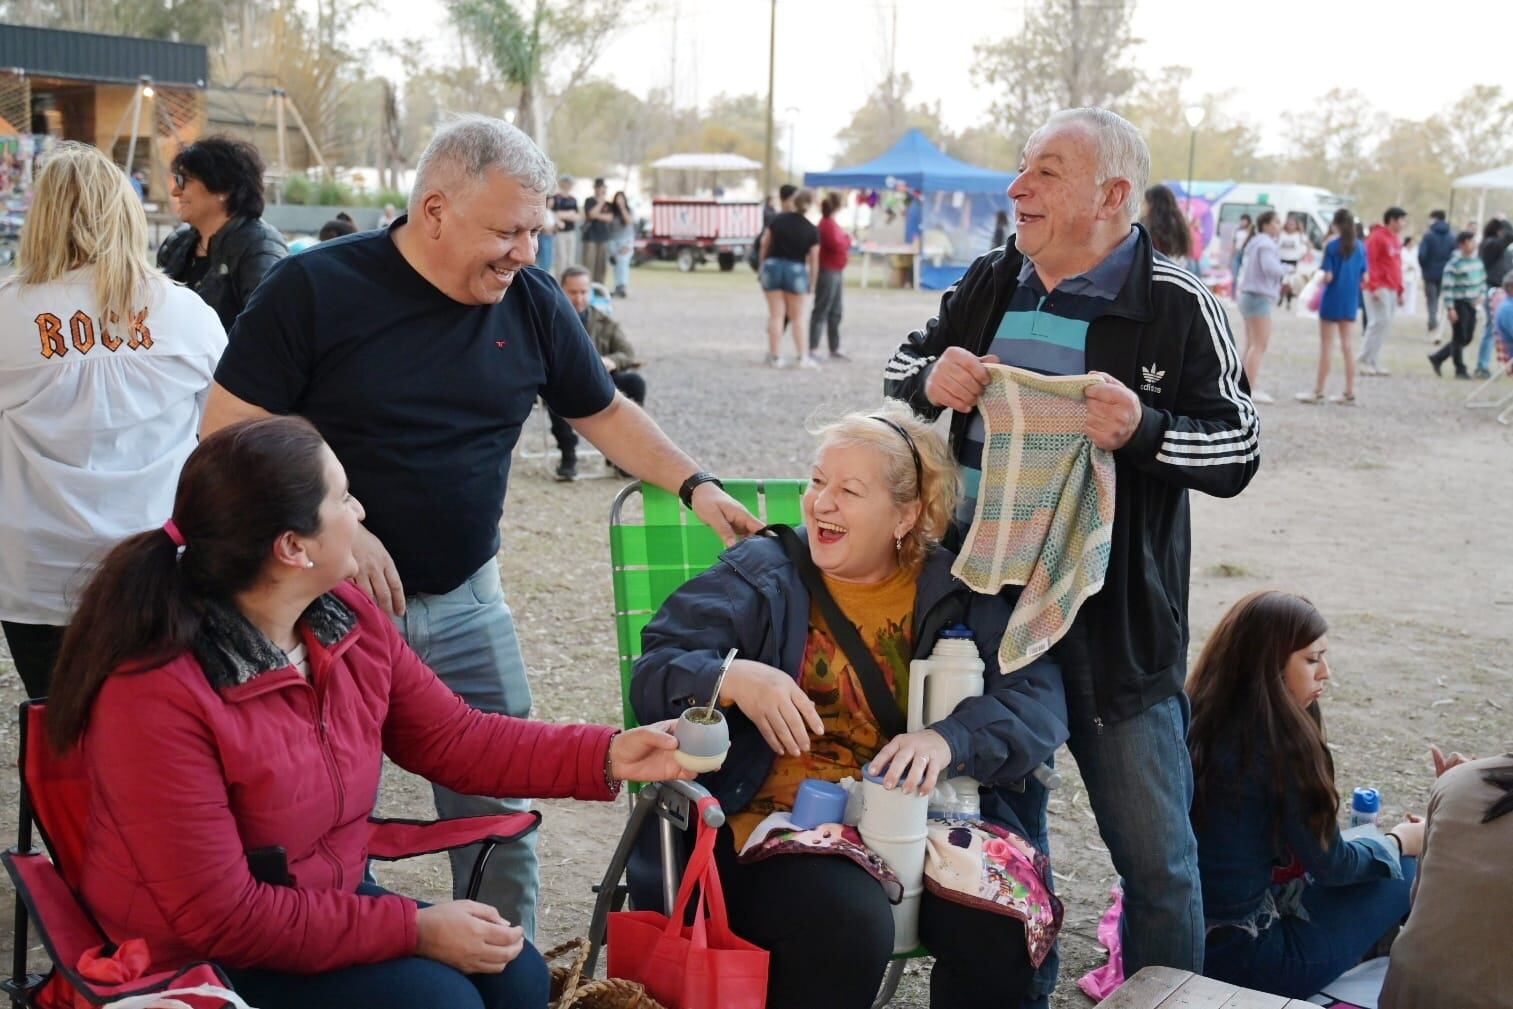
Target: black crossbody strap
x=880, y=699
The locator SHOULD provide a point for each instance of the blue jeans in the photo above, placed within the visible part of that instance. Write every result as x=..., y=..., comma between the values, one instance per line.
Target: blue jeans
x=1139, y=780
x=785, y=275
x=1488, y=338
x=623, y=250
x=468, y=637
x=1297, y=957
x=546, y=249
x=399, y=984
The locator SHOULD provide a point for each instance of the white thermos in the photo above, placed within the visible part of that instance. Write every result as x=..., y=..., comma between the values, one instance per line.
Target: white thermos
x=892, y=826
x=951, y=674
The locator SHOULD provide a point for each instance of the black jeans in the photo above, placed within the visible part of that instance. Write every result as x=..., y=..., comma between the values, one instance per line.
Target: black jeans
x=34, y=650
x=829, y=928
x=628, y=382
x=1462, y=332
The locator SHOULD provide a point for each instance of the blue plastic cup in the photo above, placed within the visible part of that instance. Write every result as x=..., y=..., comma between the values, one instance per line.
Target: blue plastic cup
x=818, y=802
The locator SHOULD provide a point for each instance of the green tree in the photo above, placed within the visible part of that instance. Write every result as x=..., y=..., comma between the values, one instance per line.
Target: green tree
x=198, y=21
x=1070, y=53
x=883, y=118
x=1331, y=146
x=305, y=49
x=544, y=48
x=1225, y=148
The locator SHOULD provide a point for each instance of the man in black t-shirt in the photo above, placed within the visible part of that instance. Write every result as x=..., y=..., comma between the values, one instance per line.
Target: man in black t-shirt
x=597, y=216
x=418, y=353
x=565, y=206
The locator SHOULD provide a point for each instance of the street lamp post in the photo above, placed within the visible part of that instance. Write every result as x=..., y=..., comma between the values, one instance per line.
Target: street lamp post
x=792, y=113
x=1194, y=114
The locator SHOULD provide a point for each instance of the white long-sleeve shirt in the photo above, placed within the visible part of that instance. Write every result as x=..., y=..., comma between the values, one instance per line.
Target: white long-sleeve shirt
x=95, y=423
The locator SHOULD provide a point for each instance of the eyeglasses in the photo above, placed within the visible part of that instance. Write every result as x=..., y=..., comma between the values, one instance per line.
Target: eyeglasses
x=180, y=179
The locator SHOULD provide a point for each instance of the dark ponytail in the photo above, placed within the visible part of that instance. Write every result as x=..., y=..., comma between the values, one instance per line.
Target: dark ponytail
x=1344, y=224
x=241, y=489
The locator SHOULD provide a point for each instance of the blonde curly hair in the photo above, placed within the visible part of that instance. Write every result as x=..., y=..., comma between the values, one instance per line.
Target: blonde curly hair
x=941, y=485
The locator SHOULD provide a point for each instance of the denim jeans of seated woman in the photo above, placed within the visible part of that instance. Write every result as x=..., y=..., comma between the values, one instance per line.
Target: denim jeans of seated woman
x=404, y=983
x=1297, y=957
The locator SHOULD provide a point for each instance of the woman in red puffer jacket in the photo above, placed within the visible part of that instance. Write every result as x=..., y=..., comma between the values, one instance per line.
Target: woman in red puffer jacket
x=232, y=692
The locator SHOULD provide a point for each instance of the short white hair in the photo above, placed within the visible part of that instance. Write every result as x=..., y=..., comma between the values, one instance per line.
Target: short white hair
x=1122, y=151
x=471, y=145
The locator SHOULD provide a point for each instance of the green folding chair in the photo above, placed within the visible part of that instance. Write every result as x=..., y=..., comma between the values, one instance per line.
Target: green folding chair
x=650, y=559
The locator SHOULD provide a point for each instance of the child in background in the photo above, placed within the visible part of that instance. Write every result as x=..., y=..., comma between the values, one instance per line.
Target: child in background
x=1290, y=905
x=1464, y=284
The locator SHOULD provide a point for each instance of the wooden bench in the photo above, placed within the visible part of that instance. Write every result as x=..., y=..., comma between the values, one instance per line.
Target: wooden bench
x=1168, y=988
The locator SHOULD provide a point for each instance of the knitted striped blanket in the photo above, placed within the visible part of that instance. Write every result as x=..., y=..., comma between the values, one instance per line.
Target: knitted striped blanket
x=1045, y=508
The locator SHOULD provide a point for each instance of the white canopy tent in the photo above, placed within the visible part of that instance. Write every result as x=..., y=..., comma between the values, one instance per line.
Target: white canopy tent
x=695, y=169
x=1481, y=183
x=707, y=163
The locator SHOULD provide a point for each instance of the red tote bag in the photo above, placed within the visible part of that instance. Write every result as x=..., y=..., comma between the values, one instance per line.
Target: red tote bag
x=703, y=965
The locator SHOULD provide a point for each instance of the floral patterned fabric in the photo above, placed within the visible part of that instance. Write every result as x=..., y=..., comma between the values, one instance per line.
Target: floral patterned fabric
x=883, y=613
x=983, y=865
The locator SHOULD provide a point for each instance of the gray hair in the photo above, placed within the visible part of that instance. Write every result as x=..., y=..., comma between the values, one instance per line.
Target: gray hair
x=470, y=145
x=1122, y=151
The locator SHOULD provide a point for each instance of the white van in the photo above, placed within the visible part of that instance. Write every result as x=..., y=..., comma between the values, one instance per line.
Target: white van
x=1218, y=206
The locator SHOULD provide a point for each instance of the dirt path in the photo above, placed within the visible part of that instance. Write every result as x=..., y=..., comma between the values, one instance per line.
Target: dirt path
x=1389, y=516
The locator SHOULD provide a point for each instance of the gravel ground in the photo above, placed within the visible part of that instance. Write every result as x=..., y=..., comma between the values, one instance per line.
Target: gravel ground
x=1385, y=514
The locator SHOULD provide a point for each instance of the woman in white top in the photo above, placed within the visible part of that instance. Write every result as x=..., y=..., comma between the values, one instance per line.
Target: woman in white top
x=1292, y=246
x=104, y=368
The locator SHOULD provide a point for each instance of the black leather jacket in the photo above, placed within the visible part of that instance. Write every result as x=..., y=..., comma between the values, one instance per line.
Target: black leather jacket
x=241, y=253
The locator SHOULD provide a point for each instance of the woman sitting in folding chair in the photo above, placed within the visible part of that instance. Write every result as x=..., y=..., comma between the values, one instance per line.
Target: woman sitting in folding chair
x=234, y=695
x=882, y=491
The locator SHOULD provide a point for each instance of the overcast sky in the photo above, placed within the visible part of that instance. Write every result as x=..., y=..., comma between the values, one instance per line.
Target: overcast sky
x=1277, y=57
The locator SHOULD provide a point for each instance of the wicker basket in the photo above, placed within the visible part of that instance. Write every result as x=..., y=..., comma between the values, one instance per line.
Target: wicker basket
x=570, y=991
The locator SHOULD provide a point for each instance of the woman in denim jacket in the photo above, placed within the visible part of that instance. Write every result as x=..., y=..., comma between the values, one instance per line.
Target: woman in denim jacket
x=1289, y=904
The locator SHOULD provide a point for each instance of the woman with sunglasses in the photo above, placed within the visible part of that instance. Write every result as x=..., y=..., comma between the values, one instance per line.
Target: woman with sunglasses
x=225, y=247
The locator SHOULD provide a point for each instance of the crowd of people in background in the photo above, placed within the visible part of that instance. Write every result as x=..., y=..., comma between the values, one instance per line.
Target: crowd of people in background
x=1363, y=278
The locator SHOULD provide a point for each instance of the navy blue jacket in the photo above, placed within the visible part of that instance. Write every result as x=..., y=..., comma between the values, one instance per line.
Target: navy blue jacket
x=1435, y=250
x=754, y=600
x=1239, y=844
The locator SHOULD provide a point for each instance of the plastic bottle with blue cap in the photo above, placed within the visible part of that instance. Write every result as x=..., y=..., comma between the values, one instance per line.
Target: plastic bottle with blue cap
x=1366, y=808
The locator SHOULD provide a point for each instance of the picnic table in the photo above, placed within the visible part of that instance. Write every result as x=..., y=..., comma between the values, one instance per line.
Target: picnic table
x=1169, y=988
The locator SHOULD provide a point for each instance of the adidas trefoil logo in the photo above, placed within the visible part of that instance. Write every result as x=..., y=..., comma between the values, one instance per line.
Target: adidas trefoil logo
x=1151, y=376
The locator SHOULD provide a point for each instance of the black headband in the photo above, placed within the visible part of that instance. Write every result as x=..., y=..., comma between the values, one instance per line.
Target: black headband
x=919, y=468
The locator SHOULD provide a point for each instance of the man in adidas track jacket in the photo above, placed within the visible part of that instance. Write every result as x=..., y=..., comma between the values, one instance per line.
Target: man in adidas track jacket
x=1079, y=288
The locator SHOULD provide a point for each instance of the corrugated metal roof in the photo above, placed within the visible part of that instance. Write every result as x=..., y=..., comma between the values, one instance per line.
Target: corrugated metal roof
x=92, y=57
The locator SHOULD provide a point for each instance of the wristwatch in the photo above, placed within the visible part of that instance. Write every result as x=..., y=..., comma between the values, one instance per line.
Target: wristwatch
x=685, y=492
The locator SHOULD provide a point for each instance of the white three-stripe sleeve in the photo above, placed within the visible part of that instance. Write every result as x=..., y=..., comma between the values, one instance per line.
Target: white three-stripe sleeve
x=1220, y=443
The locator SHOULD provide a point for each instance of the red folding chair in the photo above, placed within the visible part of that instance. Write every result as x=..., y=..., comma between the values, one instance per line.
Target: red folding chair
x=55, y=796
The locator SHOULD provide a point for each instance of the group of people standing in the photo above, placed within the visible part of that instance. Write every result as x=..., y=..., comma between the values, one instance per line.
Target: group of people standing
x=601, y=235
x=797, y=261
x=1468, y=277
x=322, y=589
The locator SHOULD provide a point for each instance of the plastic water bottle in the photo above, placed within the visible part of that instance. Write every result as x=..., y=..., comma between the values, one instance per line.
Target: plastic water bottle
x=1366, y=807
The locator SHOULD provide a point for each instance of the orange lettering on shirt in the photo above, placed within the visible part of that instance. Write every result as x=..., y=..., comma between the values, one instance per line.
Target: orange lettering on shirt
x=82, y=328
x=50, y=330
x=141, y=336
x=112, y=343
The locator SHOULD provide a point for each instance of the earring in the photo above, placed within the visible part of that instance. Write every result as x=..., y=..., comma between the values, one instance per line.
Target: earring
x=309, y=564
x=898, y=544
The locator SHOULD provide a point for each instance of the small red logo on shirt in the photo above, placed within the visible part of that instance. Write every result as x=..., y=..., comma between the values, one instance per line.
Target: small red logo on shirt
x=499, y=344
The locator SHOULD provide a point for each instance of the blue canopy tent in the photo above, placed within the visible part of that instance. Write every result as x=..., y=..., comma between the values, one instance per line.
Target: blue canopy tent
x=956, y=213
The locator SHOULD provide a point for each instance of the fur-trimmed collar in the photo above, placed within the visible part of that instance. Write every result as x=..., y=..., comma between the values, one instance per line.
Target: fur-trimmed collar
x=231, y=651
